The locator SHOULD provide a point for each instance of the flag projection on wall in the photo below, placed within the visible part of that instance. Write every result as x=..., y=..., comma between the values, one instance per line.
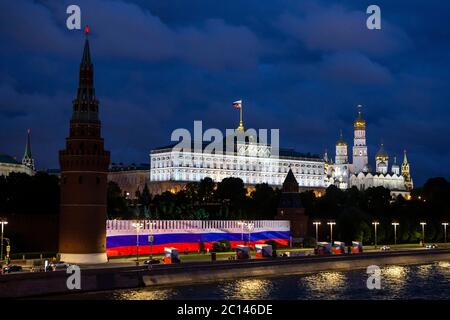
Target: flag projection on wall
x=187, y=235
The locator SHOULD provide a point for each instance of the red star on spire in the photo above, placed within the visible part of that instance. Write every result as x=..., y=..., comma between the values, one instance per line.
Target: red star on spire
x=86, y=29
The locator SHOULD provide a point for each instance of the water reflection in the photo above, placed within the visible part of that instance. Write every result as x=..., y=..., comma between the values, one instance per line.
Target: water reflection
x=327, y=285
x=247, y=289
x=143, y=294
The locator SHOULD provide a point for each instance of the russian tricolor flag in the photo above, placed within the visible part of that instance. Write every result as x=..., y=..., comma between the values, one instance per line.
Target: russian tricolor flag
x=237, y=104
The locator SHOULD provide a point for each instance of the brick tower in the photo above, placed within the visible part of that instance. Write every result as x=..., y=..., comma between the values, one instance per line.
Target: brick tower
x=291, y=208
x=84, y=165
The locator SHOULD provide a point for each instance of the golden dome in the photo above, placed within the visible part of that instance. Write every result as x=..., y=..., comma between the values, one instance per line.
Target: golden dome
x=360, y=123
x=382, y=154
x=341, y=142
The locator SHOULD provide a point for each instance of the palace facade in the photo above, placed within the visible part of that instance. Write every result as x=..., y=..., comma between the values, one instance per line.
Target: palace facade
x=251, y=161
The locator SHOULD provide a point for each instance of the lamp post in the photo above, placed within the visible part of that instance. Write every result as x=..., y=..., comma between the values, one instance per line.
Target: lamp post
x=375, y=224
x=445, y=224
x=3, y=222
x=317, y=223
x=250, y=227
x=242, y=223
x=395, y=224
x=150, y=239
x=138, y=226
x=423, y=232
x=331, y=224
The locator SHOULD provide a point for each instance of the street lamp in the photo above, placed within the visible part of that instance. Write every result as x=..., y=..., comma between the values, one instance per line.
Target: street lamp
x=250, y=227
x=3, y=221
x=445, y=224
x=331, y=224
x=138, y=226
x=317, y=223
x=150, y=239
x=395, y=224
x=375, y=224
x=242, y=223
x=423, y=232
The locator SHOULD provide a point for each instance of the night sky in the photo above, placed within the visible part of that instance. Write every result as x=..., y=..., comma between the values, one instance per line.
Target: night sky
x=301, y=66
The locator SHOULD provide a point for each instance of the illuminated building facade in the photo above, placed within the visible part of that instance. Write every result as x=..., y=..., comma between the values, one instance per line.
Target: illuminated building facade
x=344, y=174
x=251, y=161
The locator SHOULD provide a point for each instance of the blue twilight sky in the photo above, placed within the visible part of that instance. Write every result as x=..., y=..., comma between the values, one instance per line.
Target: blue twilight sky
x=301, y=66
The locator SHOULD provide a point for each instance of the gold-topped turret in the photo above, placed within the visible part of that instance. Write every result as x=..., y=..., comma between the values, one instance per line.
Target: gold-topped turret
x=382, y=154
x=360, y=123
x=341, y=142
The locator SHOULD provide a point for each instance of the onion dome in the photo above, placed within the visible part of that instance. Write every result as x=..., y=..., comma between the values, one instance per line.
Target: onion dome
x=382, y=154
x=341, y=142
x=360, y=123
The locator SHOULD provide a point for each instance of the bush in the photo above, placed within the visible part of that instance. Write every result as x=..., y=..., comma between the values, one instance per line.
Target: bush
x=309, y=242
x=221, y=246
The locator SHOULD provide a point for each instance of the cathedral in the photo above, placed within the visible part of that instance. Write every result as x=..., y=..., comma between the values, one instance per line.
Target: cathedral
x=344, y=174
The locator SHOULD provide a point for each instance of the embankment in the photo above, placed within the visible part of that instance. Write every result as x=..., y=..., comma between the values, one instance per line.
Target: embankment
x=110, y=278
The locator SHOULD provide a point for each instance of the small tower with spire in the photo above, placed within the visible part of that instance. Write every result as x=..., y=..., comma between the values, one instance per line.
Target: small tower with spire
x=382, y=160
x=27, y=159
x=341, y=150
x=360, y=157
x=395, y=167
x=406, y=172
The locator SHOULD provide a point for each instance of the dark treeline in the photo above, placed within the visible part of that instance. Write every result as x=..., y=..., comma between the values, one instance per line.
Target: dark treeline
x=24, y=194
x=226, y=200
x=352, y=210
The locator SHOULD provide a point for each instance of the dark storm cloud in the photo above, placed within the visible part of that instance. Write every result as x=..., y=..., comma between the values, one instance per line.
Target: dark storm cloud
x=301, y=66
x=337, y=28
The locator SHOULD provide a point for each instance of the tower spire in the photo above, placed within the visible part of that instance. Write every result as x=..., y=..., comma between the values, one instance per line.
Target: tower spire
x=27, y=159
x=85, y=105
x=406, y=173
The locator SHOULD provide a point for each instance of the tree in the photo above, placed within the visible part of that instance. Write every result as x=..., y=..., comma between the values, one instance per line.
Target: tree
x=117, y=206
x=264, y=202
x=206, y=190
x=232, y=193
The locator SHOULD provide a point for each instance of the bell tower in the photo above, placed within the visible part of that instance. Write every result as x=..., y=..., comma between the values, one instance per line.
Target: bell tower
x=84, y=165
x=360, y=158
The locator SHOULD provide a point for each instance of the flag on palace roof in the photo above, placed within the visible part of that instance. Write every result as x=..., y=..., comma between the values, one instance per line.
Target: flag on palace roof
x=237, y=104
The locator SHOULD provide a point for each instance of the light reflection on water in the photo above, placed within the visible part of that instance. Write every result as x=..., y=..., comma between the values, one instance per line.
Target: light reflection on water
x=429, y=281
x=248, y=289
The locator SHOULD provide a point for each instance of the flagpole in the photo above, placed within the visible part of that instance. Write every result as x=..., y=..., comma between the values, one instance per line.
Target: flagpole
x=240, y=112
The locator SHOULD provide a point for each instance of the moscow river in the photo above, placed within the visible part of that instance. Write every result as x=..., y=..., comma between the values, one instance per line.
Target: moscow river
x=428, y=281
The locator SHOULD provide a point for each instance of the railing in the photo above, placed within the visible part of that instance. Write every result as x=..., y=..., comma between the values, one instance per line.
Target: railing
x=112, y=226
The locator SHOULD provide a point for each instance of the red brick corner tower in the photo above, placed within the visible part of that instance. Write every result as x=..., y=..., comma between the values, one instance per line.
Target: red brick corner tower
x=84, y=165
x=291, y=208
